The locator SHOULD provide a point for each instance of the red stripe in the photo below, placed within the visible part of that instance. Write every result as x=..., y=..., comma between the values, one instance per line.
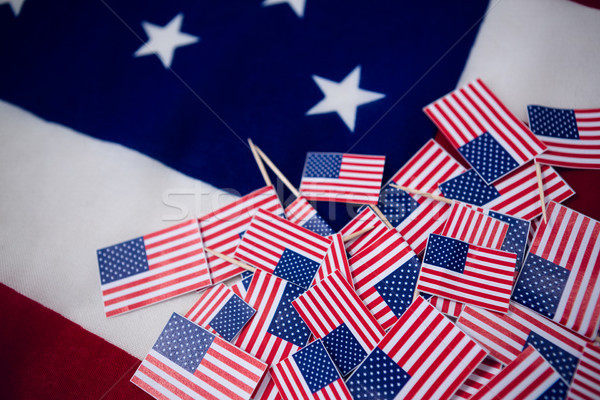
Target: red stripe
x=179, y=258
x=174, y=248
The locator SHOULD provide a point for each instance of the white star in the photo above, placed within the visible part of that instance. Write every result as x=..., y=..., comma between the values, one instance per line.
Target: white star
x=296, y=5
x=343, y=97
x=15, y=5
x=163, y=40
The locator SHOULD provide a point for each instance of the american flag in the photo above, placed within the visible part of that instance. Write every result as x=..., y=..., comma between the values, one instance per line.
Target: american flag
x=187, y=361
x=241, y=287
x=310, y=374
x=470, y=274
x=276, y=330
x=586, y=382
x=336, y=259
x=506, y=336
x=385, y=277
x=423, y=356
x=282, y=248
x=528, y=377
x=484, y=373
x=560, y=278
x=490, y=137
x=572, y=136
x=340, y=177
x=429, y=217
x=364, y=219
x=301, y=212
x=336, y=315
x=266, y=390
x=516, y=194
x=446, y=306
x=474, y=227
x=152, y=268
x=219, y=310
x=222, y=229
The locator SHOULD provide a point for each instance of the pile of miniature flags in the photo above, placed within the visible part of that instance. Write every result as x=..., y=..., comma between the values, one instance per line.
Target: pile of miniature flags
x=450, y=283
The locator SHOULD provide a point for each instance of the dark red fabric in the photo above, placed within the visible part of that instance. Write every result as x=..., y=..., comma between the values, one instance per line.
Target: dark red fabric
x=46, y=356
x=589, y=3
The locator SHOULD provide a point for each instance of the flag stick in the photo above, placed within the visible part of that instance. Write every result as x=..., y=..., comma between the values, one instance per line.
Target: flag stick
x=260, y=164
x=424, y=194
x=356, y=234
x=277, y=172
x=231, y=260
x=382, y=216
x=538, y=172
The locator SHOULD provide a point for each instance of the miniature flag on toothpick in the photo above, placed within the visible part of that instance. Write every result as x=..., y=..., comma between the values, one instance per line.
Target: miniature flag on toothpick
x=301, y=212
x=491, y=138
x=423, y=356
x=241, y=288
x=484, y=373
x=586, y=382
x=336, y=259
x=365, y=218
x=187, y=361
x=152, y=268
x=560, y=278
x=448, y=307
x=474, y=227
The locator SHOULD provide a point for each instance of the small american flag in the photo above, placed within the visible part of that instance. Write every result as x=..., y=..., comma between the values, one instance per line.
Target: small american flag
x=219, y=310
x=301, y=212
x=346, y=178
x=336, y=315
x=429, y=217
x=241, y=287
x=572, y=136
x=516, y=236
x=187, y=361
x=266, y=390
x=423, y=356
x=310, y=374
x=516, y=194
x=490, y=137
x=474, y=227
x=222, y=229
x=470, y=274
x=364, y=219
x=385, y=277
x=484, y=373
x=152, y=268
x=446, y=306
x=586, y=382
x=282, y=248
x=336, y=259
x=528, y=377
x=560, y=278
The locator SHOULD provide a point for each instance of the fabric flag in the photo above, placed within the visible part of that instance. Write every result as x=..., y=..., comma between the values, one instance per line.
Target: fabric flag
x=528, y=377
x=506, y=336
x=219, y=310
x=310, y=374
x=446, y=306
x=470, y=274
x=222, y=229
x=484, y=373
x=336, y=259
x=152, y=268
x=423, y=356
x=345, y=178
x=188, y=362
x=385, y=277
x=474, y=227
x=276, y=330
x=516, y=194
x=560, y=278
x=301, y=212
x=282, y=248
x=572, y=136
x=364, y=219
x=490, y=137
x=336, y=315
x=586, y=382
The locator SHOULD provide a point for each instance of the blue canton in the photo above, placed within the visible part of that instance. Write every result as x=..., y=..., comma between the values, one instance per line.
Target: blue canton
x=378, y=378
x=563, y=362
x=488, y=157
x=247, y=274
x=316, y=367
x=232, y=317
x=122, y=260
x=398, y=288
x=516, y=236
x=183, y=342
x=553, y=122
x=540, y=285
x=322, y=165
x=287, y=323
x=396, y=204
x=446, y=253
x=318, y=225
x=241, y=234
x=344, y=349
x=296, y=268
x=468, y=187
x=558, y=391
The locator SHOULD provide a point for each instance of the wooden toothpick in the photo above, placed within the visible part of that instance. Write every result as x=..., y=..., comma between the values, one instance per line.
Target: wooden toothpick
x=538, y=172
x=382, y=216
x=356, y=234
x=231, y=260
x=260, y=164
x=424, y=194
x=277, y=172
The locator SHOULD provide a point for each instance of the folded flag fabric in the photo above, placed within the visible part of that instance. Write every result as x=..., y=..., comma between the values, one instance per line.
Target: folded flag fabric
x=301, y=212
x=222, y=229
x=341, y=177
x=385, y=277
x=586, y=382
x=336, y=315
x=282, y=248
x=152, y=268
x=474, y=227
x=336, y=259
x=219, y=310
x=309, y=374
x=560, y=278
x=423, y=356
x=572, y=136
x=187, y=361
x=528, y=377
x=364, y=219
x=467, y=273
x=484, y=373
x=490, y=137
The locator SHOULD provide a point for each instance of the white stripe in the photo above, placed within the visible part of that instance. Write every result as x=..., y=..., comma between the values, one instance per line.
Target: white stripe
x=190, y=228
